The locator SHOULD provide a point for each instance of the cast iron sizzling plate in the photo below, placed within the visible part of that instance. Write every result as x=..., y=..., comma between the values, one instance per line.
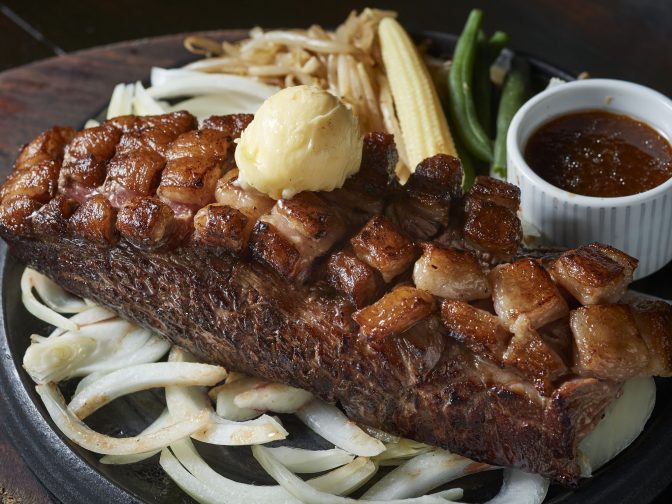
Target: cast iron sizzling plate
x=74, y=475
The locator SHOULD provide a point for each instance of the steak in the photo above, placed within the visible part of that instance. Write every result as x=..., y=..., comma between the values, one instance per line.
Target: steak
x=410, y=306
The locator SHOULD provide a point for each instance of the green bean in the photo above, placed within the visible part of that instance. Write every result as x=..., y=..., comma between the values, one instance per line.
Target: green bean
x=514, y=94
x=462, y=109
x=497, y=42
x=486, y=53
x=469, y=164
x=482, y=94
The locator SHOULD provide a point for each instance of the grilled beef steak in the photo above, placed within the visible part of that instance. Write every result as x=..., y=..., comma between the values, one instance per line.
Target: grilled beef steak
x=394, y=302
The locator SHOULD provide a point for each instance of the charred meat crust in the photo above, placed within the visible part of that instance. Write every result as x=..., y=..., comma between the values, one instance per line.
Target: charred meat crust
x=269, y=247
x=594, y=273
x=145, y=222
x=450, y=273
x=497, y=192
x=492, y=228
x=439, y=176
x=15, y=215
x=354, y=278
x=221, y=227
x=38, y=181
x=397, y=311
x=87, y=156
x=52, y=219
x=423, y=206
x=315, y=291
x=232, y=125
x=95, y=221
x=232, y=312
x=525, y=288
x=50, y=145
x=379, y=158
x=383, y=247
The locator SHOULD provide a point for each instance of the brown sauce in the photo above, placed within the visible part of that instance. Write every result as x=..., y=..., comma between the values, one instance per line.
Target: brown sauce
x=596, y=153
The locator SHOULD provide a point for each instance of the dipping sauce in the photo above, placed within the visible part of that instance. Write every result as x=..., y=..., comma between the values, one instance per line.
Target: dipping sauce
x=597, y=153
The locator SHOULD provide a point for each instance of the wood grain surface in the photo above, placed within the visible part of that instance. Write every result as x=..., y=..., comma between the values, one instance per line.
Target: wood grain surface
x=68, y=89
x=65, y=90
x=614, y=38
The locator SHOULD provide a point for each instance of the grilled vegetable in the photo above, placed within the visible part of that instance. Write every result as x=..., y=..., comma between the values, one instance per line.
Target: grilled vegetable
x=488, y=50
x=514, y=95
x=482, y=88
x=462, y=108
x=423, y=124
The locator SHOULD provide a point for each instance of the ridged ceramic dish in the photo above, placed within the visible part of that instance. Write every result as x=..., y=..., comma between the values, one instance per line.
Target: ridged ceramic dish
x=640, y=224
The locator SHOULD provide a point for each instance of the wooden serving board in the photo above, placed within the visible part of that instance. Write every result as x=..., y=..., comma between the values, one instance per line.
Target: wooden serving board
x=67, y=90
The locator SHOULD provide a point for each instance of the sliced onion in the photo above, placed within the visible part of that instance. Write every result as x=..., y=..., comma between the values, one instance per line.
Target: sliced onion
x=36, y=338
x=164, y=420
x=232, y=377
x=219, y=104
x=92, y=315
x=143, y=103
x=273, y=397
x=103, y=342
x=53, y=359
x=379, y=434
x=91, y=123
x=423, y=473
x=306, y=493
x=159, y=76
x=152, y=351
x=330, y=423
x=101, y=347
x=554, y=82
x=398, y=452
x=131, y=346
x=121, y=102
x=225, y=396
x=88, y=380
x=346, y=479
x=142, y=377
x=53, y=295
x=155, y=348
x=246, y=383
x=190, y=83
x=205, y=485
x=39, y=310
x=299, y=460
x=521, y=488
x=79, y=433
x=623, y=422
x=187, y=401
x=226, y=432
x=205, y=493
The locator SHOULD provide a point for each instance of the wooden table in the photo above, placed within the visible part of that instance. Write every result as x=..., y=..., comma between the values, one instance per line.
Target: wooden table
x=608, y=38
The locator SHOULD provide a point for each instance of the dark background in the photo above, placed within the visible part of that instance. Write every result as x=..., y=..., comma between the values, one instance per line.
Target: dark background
x=626, y=39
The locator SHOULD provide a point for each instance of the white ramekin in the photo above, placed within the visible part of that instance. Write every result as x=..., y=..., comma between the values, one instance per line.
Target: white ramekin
x=641, y=224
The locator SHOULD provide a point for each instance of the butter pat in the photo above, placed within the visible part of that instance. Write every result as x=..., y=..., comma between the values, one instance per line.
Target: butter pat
x=301, y=139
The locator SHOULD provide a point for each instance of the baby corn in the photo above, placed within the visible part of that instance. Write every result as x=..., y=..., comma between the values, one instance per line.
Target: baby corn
x=423, y=124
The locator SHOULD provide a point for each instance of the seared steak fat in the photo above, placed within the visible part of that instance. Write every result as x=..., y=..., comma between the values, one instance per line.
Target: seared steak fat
x=410, y=306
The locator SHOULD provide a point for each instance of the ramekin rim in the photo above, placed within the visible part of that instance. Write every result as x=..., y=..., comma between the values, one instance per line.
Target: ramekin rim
x=514, y=150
